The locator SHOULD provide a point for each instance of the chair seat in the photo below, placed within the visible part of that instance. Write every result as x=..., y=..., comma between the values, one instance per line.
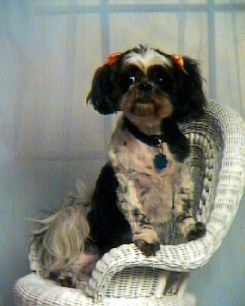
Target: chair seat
x=34, y=290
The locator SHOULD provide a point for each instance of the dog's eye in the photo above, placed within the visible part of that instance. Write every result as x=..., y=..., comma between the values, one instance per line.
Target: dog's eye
x=129, y=75
x=131, y=80
x=157, y=77
x=160, y=76
x=160, y=80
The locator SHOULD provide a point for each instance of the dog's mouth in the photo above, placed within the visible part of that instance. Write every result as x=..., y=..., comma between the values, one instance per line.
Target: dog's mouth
x=146, y=103
x=143, y=105
x=144, y=99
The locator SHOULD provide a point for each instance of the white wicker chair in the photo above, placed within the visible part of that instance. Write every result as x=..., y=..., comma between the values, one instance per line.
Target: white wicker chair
x=124, y=276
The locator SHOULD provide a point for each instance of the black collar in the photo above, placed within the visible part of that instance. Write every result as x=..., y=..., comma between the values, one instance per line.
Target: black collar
x=150, y=140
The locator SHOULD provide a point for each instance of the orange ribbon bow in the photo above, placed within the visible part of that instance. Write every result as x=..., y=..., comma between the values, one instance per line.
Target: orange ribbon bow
x=178, y=61
x=113, y=58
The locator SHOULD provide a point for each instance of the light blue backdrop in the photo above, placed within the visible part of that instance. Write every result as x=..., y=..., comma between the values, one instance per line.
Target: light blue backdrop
x=49, y=137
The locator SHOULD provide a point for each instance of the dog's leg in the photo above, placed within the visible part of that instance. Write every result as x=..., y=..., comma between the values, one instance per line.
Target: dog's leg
x=144, y=236
x=76, y=272
x=61, y=246
x=183, y=201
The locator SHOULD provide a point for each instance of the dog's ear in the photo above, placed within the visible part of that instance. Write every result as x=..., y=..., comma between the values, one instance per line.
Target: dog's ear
x=189, y=98
x=103, y=94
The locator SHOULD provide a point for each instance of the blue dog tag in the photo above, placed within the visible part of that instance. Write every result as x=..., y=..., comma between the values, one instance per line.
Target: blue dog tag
x=160, y=161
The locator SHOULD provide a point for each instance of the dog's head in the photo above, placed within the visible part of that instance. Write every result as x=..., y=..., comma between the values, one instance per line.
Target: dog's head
x=148, y=82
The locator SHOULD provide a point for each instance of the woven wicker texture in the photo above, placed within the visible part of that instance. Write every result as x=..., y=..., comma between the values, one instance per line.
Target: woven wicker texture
x=126, y=277
x=32, y=290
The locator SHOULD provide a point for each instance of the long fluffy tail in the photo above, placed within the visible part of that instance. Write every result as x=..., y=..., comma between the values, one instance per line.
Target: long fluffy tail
x=60, y=238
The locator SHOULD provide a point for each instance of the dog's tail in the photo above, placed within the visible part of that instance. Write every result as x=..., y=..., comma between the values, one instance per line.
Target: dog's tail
x=60, y=238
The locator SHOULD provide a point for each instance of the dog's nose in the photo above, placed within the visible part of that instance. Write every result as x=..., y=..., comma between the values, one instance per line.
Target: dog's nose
x=145, y=86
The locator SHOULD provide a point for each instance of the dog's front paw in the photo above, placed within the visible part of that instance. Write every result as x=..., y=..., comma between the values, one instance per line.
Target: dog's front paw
x=147, y=241
x=198, y=231
x=63, y=279
x=148, y=249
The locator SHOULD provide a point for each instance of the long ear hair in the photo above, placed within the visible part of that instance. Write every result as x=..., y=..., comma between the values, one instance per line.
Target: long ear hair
x=103, y=94
x=189, y=98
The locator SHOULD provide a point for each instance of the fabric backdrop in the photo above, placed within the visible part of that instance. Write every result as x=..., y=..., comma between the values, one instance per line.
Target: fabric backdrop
x=49, y=137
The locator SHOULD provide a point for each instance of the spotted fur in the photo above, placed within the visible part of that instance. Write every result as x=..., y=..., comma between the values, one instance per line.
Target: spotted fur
x=155, y=96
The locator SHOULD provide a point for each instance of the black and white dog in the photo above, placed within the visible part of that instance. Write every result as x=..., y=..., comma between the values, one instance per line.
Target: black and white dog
x=144, y=194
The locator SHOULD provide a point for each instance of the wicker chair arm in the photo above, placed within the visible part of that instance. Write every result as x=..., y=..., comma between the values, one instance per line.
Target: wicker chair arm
x=192, y=255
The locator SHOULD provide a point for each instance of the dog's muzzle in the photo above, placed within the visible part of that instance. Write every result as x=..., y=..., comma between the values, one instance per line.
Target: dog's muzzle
x=144, y=92
x=145, y=86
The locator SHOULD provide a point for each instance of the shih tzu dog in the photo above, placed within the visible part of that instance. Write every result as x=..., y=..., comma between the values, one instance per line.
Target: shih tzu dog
x=144, y=193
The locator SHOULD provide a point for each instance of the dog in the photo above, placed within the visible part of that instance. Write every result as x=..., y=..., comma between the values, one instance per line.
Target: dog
x=144, y=193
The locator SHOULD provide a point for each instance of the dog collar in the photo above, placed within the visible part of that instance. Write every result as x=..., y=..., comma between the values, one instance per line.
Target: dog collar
x=150, y=140
x=160, y=160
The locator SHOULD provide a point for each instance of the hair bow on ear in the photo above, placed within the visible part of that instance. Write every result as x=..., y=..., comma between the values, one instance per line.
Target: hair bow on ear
x=179, y=62
x=113, y=58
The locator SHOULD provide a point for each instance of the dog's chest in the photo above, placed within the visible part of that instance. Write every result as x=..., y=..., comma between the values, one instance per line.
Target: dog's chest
x=153, y=187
